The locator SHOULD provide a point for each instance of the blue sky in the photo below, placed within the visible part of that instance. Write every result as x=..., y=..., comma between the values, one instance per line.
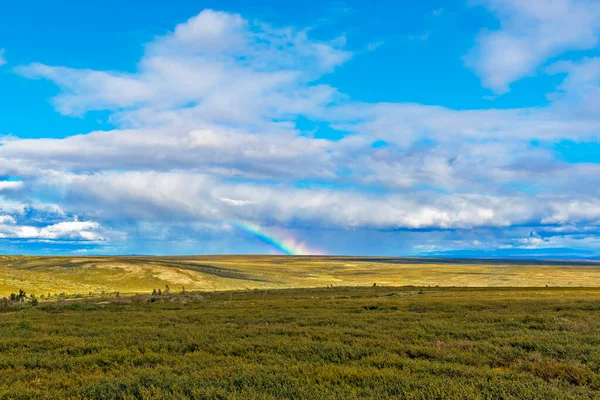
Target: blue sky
x=347, y=127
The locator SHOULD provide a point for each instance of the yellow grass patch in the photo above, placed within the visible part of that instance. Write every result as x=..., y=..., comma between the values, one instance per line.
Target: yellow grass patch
x=71, y=275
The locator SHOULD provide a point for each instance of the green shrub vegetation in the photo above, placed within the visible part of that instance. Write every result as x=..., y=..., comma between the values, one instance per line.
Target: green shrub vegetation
x=322, y=343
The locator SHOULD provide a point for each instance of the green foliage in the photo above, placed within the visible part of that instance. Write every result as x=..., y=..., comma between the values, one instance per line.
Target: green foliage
x=334, y=343
x=23, y=323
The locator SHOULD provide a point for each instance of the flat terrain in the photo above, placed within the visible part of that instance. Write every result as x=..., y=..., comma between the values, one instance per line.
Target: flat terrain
x=82, y=275
x=325, y=343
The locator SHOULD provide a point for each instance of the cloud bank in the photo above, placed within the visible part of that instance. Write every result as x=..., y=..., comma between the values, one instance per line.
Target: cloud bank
x=207, y=130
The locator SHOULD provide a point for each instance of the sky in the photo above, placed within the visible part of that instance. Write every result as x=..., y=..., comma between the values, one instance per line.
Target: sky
x=433, y=128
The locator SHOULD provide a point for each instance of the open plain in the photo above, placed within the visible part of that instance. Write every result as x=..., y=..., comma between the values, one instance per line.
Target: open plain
x=324, y=343
x=130, y=275
x=271, y=327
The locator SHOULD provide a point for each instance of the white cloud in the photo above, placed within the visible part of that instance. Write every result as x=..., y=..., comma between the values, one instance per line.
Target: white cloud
x=2, y=59
x=7, y=219
x=577, y=242
x=579, y=92
x=185, y=196
x=224, y=151
x=35, y=222
x=531, y=32
x=404, y=123
x=206, y=133
x=224, y=65
x=211, y=31
x=10, y=185
x=73, y=230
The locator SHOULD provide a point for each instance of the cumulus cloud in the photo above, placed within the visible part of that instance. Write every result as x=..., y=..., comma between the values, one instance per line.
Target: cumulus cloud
x=10, y=185
x=531, y=32
x=72, y=230
x=34, y=223
x=206, y=132
x=220, y=63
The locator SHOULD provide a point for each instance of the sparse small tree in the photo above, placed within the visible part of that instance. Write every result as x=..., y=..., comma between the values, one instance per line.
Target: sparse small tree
x=167, y=289
x=154, y=293
x=159, y=292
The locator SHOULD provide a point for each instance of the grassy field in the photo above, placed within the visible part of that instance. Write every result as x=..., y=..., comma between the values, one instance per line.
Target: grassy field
x=273, y=327
x=82, y=275
x=325, y=343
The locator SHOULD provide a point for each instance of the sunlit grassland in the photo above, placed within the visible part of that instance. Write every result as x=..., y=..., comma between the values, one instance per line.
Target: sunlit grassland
x=82, y=275
x=325, y=343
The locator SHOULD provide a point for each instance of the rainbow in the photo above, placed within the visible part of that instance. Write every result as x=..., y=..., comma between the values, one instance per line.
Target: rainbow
x=281, y=242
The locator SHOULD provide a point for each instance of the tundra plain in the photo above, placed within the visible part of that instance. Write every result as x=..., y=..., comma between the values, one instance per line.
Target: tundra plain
x=131, y=275
x=273, y=327
x=322, y=343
